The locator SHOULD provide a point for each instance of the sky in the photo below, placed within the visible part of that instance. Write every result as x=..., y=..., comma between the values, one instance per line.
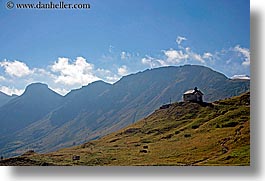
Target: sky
x=67, y=49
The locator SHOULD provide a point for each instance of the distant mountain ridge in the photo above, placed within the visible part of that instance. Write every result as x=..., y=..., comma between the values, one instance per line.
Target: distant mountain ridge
x=4, y=98
x=32, y=105
x=101, y=108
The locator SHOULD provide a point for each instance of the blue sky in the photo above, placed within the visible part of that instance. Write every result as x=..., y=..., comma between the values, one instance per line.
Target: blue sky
x=70, y=48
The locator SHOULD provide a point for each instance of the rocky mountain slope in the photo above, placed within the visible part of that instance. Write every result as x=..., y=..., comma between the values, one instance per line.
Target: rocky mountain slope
x=184, y=133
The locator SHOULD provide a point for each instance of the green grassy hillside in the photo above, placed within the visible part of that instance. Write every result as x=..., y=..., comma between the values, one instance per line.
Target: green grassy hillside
x=183, y=134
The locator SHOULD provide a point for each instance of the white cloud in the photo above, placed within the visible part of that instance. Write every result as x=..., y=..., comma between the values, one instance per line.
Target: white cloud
x=80, y=72
x=228, y=61
x=112, y=79
x=161, y=62
x=147, y=61
x=123, y=70
x=64, y=74
x=245, y=53
x=61, y=91
x=153, y=62
x=103, y=72
x=42, y=72
x=180, y=39
x=111, y=48
x=207, y=55
x=107, y=75
x=125, y=55
x=2, y=78
x=16, y=68
x=197, y=57
x=235, y=60
x=244, y=77
x=175, y=56
x=11, y=91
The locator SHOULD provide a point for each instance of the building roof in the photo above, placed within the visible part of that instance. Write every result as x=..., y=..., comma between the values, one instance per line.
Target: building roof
x=192, y=91
x=189, y=92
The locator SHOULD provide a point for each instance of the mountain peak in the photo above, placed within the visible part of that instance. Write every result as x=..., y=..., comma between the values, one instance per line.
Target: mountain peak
x=37, y=84
x=97, y=86
x=36, y=102
x=98, y=82
x=37, y=89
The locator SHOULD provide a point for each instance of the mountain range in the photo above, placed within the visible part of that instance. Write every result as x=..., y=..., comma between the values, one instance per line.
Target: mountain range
x=42, y=120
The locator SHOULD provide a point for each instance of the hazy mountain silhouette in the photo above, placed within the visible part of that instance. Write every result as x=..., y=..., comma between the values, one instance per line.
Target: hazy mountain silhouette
x=100, y=108
x=4, y=98
x=31, y=106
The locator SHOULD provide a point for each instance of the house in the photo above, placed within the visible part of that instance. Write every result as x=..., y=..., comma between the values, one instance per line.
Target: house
x=194, y=95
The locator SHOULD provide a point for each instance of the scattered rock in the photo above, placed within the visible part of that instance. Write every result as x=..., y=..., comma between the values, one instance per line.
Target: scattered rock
x=228, y=157
x=165, y=106
x=143, y=151
x=224, y=150
x=87, y=145
x=132, y=130
x=167, y=136
x=75, y=157
x=114, y=140
x=30, y=152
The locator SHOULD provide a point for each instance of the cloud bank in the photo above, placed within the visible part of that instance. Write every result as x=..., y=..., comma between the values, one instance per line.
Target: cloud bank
x=15, y=68
x=65, y=74
x=230, y=61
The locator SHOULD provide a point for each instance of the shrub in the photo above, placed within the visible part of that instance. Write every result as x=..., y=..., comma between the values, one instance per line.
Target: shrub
x=195, y=126
x=187, y=135
x=167, y=136
x=177, y=132
x=229, y=124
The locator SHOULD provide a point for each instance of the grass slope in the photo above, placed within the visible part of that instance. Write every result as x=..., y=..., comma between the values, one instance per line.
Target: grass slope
x=183, y=134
